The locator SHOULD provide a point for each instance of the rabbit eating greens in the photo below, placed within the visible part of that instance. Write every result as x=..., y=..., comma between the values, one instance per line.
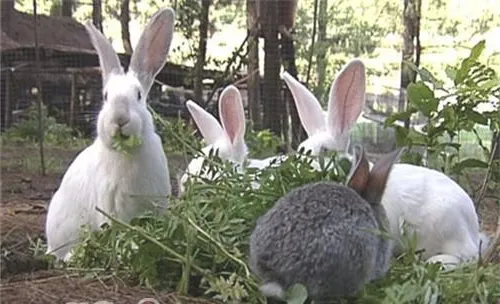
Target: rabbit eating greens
x=100, y=176
x=325, y=236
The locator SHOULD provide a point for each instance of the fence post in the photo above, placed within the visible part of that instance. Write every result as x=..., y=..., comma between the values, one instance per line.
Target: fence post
x=8, y=105
x=72, y=100
x=39, y=90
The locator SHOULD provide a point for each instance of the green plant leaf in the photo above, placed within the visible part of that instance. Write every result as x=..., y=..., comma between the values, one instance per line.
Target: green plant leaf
x=418, y=91
x=477, y=50
x=451, y=72
x=427, y=76
x=402, y=136
x=468, y=63
x=415, y=137
x=450, y=117
x=297, y=294
x=489, y=84
x=422, y=98
x=398, y=116
x=126, y=144
x=412, y=66
x=477, y=117
x=469, y=163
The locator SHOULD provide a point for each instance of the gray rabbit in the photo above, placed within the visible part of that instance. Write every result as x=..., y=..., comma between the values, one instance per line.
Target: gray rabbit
x=326, y=236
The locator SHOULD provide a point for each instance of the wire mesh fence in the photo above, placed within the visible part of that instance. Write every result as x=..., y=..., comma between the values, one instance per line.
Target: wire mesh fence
x=71, y=86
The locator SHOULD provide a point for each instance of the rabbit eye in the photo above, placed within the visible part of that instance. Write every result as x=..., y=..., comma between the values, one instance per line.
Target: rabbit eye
x=139, y=95
x=105, y=96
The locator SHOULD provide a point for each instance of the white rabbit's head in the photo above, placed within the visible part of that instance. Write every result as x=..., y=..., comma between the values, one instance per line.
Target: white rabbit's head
x=226, y=137
x=329, y=131
x=124, y=110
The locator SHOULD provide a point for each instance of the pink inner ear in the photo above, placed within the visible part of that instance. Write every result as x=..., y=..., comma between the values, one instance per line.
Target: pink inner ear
x=232, y=114
x=347, y=97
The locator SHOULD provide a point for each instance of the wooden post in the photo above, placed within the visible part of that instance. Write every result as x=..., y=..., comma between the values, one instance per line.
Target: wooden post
x=72, y=100
x=273, y=104
x=8, y=107
x=253, y=81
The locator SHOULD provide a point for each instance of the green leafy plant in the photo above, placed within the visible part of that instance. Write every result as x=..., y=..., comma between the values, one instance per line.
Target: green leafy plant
x=199, y=246
x=261, y=143
x=126, y=144
x=201, y=242
x=176, y=133
x=451, y=111
x=28, y=129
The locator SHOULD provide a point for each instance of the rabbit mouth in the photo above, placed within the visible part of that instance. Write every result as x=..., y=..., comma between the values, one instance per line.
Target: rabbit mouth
x=122, y=134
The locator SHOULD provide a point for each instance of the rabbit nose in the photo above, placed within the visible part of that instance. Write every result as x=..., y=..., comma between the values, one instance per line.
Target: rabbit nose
x=122, y=120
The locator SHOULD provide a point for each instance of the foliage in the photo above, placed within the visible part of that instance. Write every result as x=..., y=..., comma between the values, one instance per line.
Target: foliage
x=449, y=111
x=126, y=144
x=200, y=244
x=177, y=135
x=28, y=129
x=202, y=234
x=261, y=143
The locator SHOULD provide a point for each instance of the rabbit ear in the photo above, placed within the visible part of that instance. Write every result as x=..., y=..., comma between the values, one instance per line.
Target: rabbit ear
x=152, y=49
x=209, y=127
x=108, y=60
x=309, y=109
x=360, y=171
x=232, y=114
x=347, y=97
x=379, y=174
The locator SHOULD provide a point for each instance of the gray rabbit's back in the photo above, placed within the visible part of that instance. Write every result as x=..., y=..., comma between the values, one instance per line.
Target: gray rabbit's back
x=320, y=235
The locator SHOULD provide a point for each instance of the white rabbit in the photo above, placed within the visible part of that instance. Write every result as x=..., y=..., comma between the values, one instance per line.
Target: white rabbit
x=227, y=138
x=434, y=206
x=101, y=176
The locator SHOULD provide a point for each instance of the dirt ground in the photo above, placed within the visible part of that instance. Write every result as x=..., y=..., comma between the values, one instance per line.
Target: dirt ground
x=25, y=196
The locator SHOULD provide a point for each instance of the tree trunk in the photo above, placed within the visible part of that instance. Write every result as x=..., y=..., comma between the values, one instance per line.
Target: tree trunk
x=273, y=106
x=97, y=14
x=7, y=8
x=253, y=80
x=124, y=22
x=202, y=51
x=67, y=8
x=288, y=57
x=411, y=49
x=321, y=50
x=288, y=10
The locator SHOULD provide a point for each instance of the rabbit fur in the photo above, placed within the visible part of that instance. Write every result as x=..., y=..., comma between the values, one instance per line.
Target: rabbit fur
x=100, y=176
x=433, y=205
x=325, y=236
x=227, y=137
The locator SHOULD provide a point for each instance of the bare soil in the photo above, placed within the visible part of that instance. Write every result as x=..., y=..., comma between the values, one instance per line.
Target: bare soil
x=25, y=197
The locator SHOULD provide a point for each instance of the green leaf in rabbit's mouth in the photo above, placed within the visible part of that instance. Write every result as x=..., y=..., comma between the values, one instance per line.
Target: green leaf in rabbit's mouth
x=125, y=144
